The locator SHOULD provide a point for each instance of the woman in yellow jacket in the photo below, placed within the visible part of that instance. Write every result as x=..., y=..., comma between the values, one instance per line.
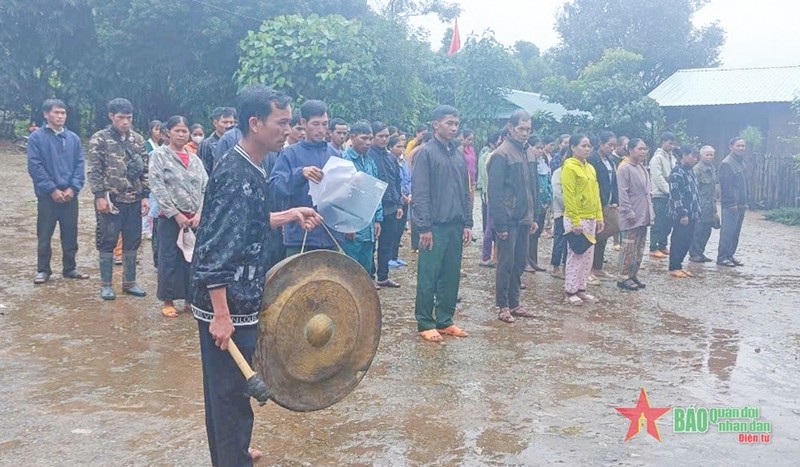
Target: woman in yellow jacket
x=583, y=218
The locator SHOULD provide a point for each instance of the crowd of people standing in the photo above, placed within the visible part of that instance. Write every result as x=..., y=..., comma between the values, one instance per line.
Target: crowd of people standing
x=223, y=209
x=578, y=190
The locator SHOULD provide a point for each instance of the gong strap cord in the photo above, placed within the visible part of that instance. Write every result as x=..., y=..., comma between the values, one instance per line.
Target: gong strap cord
x=305, y=236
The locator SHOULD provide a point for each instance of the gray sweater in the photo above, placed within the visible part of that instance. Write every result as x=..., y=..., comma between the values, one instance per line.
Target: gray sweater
x=661, y=166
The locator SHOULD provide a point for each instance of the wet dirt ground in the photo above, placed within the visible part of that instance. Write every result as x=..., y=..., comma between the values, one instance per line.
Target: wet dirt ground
x=87, y=382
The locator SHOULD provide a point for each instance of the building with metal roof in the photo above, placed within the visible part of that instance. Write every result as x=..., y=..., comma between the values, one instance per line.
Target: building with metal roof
x=728, y=86
x=716, y=104
x=533, y=103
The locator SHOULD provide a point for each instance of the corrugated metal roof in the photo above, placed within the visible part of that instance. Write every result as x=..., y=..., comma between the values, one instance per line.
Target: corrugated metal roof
x=533, y=102
x=726, y=86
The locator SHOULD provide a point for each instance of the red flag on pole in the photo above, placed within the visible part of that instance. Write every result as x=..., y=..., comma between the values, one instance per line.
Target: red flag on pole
x=455, y=42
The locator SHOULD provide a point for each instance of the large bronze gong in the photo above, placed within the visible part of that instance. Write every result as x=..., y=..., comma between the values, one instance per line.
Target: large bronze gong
x=319, y=329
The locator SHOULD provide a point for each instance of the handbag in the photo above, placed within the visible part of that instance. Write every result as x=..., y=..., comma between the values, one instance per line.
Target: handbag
x=578, y=243
x=610, y=222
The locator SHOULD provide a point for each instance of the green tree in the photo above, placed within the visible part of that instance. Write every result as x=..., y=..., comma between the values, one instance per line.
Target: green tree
x=485, y=72
x=403, y=10
x=613, y=92
x=44, y=48
x=361, y=71
x=166, y=57
x=661, y=32
x=535, y=66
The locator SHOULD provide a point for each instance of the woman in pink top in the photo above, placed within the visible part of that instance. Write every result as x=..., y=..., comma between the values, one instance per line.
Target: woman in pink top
x=472, y=160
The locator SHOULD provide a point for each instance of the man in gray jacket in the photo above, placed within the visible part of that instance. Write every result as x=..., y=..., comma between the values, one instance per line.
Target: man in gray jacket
x=733, y=193
x=661, y=166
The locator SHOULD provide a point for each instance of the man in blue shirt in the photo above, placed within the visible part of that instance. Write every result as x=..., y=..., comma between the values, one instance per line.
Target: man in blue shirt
x=361, y=245
x=55, y=163
x=296, y=166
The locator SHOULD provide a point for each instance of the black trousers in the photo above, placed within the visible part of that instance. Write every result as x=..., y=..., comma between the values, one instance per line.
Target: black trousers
x=558, y=257
x=48, y=214
x=128, y=222
x=702, y=232
x=511, y=258
x=533, y=240
x=680, y=242
x=484, y=213
x=400, y=231
x=173, y=269
x=229, y=417
x=391, y=229
x=599, y=252
x=662, y=225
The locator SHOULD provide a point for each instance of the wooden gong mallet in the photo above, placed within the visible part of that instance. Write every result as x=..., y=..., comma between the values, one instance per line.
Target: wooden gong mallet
x=255, y=385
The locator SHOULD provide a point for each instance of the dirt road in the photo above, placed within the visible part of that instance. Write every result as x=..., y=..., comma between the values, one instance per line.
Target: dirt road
x=87, y=382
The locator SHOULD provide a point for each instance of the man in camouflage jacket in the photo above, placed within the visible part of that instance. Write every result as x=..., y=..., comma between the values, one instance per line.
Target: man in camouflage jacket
x=118, y=163
x=707, y=181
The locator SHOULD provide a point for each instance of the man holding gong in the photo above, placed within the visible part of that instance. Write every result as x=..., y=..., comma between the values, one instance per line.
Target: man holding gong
x=230, y=265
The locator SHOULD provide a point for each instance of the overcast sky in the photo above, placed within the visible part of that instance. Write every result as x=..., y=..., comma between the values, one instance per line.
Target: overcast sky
x=759, y=33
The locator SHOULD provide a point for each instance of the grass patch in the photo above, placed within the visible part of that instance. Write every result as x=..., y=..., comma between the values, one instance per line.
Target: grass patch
x=788, y=216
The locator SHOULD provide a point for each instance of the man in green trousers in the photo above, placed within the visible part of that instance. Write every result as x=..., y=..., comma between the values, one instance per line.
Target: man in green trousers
x=442, y=213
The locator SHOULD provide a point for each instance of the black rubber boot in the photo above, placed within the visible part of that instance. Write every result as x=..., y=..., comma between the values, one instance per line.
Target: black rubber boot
x=129, y=285
x=106, y=273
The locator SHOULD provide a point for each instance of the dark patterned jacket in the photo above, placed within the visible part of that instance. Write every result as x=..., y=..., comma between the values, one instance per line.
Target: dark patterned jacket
x=683, y=201
x=233, y=240
x=118, y=165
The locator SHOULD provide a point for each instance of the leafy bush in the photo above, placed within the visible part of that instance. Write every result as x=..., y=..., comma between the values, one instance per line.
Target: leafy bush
x=788, y=216
x=754, y=138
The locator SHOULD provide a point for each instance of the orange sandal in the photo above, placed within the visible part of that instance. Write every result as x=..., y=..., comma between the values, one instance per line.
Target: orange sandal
x=431, y=335
x=454, y=331
x=169, y=312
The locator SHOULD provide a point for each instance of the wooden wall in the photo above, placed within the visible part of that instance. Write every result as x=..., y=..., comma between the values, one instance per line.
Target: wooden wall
x=773, y=180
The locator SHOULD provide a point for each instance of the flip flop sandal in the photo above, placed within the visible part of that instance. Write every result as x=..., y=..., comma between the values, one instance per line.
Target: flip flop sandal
x=169, y=311
x=521, y=312
x=431, y=335
x=574, y=300
x=76, y=275
x=505, y=316
x=454, y=331
x=587, y=297
x=688, y=273
x=389, y=284
x=41, y=279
